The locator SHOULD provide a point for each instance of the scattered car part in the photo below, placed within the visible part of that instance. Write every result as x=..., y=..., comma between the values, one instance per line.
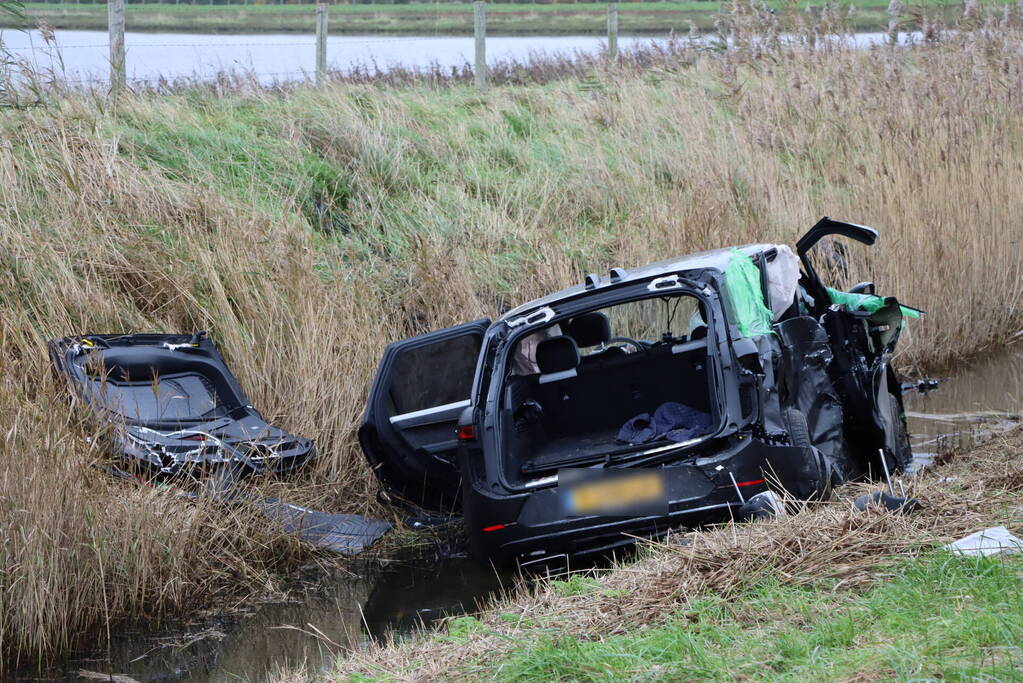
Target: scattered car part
x=175, y=408
x=892, y=503
x=173, y=404
x=764, y=505
x=484, y=418
x=994, y=541
x=339, y=533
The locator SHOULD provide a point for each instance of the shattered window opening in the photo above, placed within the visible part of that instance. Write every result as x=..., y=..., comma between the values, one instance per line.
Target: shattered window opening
x=182, y=398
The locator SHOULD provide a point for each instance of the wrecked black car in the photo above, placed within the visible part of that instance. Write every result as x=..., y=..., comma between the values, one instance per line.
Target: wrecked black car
x=173, y=405
x=669, y=395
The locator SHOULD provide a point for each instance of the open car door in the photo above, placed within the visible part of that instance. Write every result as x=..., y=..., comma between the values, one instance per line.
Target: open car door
x=408, y=432
x=827, y=227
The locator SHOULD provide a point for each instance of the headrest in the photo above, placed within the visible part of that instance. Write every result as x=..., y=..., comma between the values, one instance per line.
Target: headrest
x=589, y=329
x=557, y=354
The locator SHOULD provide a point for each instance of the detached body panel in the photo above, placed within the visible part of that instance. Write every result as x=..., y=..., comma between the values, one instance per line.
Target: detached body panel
x=173, y=404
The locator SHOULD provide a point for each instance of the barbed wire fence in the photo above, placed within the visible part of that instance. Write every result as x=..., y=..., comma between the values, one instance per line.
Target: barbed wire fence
x=318, y=69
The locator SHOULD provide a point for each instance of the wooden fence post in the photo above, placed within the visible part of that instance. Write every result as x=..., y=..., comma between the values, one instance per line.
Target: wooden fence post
x=612, y=32
x=321, y=43
x=115, y=25
x=479, y=12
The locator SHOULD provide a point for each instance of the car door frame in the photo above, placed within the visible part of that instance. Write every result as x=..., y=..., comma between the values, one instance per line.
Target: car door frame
x=424, y=476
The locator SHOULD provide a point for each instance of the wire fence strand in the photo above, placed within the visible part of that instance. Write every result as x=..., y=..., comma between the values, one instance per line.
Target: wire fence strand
x=82, y=67
x=138, y=46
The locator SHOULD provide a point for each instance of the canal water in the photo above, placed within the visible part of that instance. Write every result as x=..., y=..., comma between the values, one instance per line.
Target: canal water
x=319, y=619
x=83, y=56
x=310, y=624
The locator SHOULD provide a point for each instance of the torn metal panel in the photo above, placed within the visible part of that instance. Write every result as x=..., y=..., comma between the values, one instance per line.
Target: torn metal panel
x=173, y=404
x=871, y=392
x=339, y=533
x=343, y=534
x=806, y=380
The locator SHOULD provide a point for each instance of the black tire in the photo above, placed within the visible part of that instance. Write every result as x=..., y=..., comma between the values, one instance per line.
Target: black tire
x=799, y=431
x=818, y=469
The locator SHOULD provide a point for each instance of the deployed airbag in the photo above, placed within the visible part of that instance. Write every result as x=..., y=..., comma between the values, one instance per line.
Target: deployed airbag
x=782, y=279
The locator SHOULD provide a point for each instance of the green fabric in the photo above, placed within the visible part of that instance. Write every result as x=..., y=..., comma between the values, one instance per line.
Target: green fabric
x=865, y=302
x=744, y=298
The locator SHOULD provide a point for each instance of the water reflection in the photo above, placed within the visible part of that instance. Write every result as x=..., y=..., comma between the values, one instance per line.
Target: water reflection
x=309, y=628
x=980, y=398
x=83, y=56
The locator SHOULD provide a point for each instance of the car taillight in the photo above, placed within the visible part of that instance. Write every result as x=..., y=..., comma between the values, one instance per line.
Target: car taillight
x=466, y=432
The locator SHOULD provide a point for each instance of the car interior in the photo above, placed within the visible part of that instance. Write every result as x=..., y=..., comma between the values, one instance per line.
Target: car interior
x=157, y=387
x=612, y=382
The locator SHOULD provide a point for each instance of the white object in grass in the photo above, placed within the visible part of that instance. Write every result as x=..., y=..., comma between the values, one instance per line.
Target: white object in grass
x=993, y=541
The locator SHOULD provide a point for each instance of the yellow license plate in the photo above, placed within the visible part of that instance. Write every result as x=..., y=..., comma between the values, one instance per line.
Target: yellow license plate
x=616, y=493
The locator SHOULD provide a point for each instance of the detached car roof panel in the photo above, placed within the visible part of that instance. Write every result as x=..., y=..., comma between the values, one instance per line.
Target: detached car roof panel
x=173, y=403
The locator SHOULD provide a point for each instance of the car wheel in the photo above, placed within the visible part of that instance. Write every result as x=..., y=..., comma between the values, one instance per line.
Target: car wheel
x=817, y=467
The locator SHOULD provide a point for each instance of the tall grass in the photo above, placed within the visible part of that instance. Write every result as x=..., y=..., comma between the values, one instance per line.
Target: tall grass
x=307, y=228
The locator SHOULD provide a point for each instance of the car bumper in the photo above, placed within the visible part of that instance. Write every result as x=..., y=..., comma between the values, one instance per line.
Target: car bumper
x=535, y=526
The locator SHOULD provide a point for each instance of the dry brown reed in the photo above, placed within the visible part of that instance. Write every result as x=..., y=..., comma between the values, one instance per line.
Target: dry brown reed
x=307, y=228
x=826, y=544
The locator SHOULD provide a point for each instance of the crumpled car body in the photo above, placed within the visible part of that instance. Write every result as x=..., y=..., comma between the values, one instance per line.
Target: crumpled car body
x=664, y=396
x=173, y=405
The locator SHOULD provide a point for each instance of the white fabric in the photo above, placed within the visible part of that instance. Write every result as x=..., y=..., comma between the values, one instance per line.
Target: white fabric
x=782, y=279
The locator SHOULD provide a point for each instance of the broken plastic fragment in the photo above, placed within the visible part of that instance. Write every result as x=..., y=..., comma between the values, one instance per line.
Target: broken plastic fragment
x=880, y=499
x=994, y=541
x=764, y=505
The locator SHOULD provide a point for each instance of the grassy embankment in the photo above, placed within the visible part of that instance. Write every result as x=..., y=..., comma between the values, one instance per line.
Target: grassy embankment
x=446, y=18
x=827, y=594
x=306, y=228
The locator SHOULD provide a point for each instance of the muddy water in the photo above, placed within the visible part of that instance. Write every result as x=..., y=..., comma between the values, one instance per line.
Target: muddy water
x=970, y=404
x=308, y=625
x=330, y=615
